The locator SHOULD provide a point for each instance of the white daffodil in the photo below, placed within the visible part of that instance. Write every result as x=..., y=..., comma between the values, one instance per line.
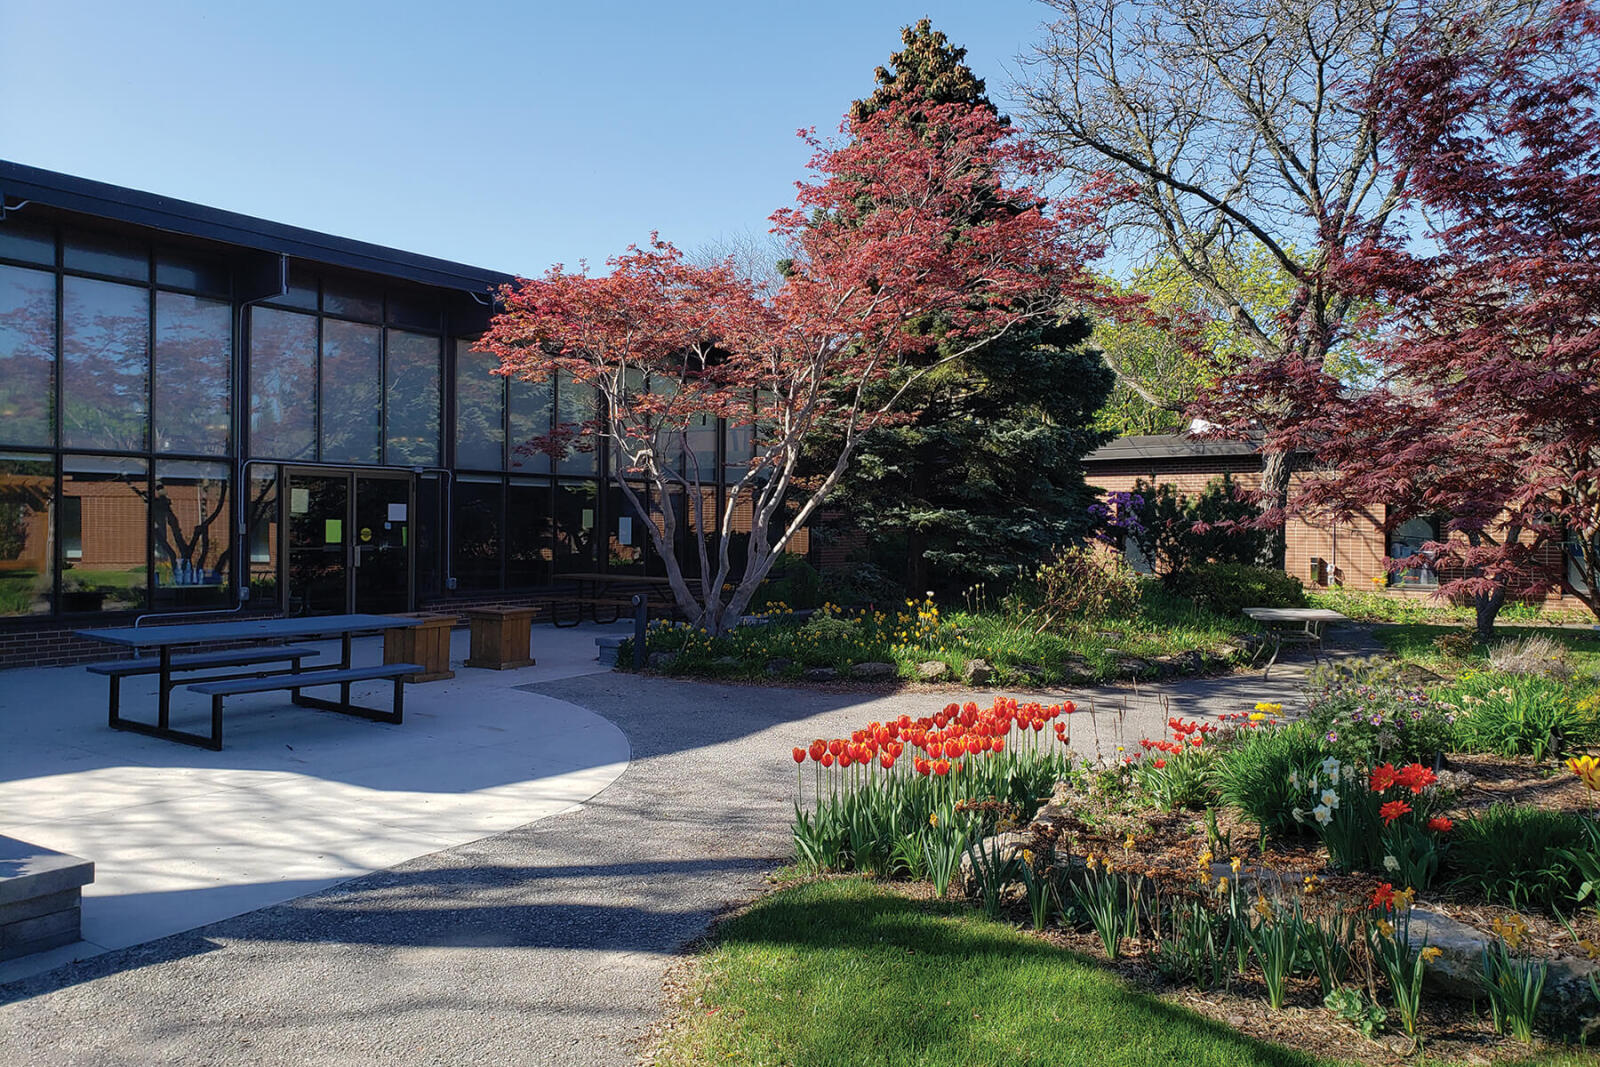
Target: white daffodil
x=1322, y=813
x=1299, y=814
x=1294, y=779
x=1312, y=785
x=1330, y=799
x=1331, y=769
x=1391, y=864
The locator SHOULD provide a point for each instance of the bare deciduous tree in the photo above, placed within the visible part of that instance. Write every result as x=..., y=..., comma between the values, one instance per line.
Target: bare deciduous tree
x=1241, y=129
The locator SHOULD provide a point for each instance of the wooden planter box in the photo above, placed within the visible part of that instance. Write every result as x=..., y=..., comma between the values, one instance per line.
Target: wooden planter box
x=501, y=638
x=40, y=894
x=427, y=644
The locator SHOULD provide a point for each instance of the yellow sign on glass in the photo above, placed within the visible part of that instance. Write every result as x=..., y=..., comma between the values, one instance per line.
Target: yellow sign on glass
x=333, y=531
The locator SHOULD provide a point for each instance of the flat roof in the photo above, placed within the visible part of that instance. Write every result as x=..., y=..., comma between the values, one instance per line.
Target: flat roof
x=20, y=182
x=1168, y=446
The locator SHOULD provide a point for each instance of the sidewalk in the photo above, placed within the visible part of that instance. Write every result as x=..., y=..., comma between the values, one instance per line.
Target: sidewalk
x=543, y=945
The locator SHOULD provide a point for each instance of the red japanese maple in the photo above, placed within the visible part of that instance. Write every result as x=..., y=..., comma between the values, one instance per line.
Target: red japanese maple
x=899, y=264
x=1485, y=409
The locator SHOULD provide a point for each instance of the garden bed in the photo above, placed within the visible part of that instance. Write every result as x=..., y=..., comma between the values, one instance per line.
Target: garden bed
x=917, y=642
x=1256, y=857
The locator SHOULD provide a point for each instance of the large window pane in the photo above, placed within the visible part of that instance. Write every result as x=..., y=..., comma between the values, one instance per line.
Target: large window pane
x=27, y=356
x=480, y=410
x=576, y=504
x=27, y=557
x=283, y=384
x=532, y=404
x=579, y=406
x=1407, y=541
x=352, y=403
x=105, y=365
x=104, y=533
x=191, y=523
x=700, y=458
x=104, y=254
x=476, y=535
x=413, y=398
x=194, y=350
x=529, y=536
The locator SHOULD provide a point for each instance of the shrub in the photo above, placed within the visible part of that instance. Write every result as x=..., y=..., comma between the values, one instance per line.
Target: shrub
x=1366, y=710
x=1229, y=588
x=1514, y=854
x=792, y=582
x=1257, y=771
x=1536, y=654
x=1178, y=533
x=1082, y=583
x=1520, y=714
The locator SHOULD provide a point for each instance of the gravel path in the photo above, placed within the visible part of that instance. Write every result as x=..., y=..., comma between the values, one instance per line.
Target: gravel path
x=544, y=945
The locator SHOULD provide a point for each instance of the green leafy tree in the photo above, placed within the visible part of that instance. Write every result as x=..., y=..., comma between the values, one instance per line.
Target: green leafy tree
x=1177, y=532
x=987, y=477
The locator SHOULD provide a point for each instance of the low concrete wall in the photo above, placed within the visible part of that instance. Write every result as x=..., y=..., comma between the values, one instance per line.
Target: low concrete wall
x=40, y=897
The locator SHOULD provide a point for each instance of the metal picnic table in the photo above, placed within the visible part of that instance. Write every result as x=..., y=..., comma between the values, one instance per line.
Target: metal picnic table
x=1294, y=626
x=164, y=639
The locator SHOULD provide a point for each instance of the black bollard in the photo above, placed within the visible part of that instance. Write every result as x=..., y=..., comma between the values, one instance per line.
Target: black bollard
x=641, y=620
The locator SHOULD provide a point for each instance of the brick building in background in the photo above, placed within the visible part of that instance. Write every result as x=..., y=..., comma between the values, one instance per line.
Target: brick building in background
x=1353, y=555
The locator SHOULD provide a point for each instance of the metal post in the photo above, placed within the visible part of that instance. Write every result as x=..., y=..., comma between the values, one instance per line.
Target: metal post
x=641, y=620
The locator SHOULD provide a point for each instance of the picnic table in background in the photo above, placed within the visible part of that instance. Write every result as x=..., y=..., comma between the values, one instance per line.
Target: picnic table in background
x=1297, y=626
x=263, y=640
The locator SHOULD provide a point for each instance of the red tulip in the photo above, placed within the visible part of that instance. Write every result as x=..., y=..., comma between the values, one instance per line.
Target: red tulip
x=886, y=761
x=799, y=755
x=827, y=759
x=819, y=748
x=835, y=747
x=844, y=759
x=941, y=767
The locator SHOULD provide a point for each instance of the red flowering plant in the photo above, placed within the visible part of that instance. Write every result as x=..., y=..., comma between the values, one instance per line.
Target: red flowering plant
x=1177, y=770
x=1381, y=819
x=906, y=797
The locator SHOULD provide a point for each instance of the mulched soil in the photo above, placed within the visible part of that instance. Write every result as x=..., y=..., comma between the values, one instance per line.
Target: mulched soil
x=1520, y=780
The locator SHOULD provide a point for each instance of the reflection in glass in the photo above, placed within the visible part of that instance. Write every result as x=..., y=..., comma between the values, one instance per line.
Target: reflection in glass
x=192, y=272
x=532, y=404
x=352, y=404
x=476, y=535
x=104, y=533
x=480, y=410
x=27, y=356
x=283, y=384
x=529, y=535
x=627, y=537
x=27, y=558
x=192, y=524
x=579, y=406
x=261, y=519
x=194, y=342
x=352, y=300
x=413, y=398
x=1407, y=541
x=28, y=242
x=428, y=533
x=576, y=504
x=103, y=254
x=105, y=367
x=318, y=540
x=700, y=458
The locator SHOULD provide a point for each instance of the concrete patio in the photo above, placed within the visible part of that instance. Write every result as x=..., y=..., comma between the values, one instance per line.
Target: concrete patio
x=298, y=800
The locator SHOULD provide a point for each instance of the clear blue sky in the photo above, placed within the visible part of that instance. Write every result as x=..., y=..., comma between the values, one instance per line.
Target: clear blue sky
x=505, y=135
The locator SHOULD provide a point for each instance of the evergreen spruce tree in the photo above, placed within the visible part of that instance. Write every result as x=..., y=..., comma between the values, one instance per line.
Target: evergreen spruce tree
x=988, y=477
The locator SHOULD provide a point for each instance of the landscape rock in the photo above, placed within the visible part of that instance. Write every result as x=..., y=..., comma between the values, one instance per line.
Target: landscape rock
x=660, y=661
x=727, y=662
x=820, y=674
x=779, y=665
x=1134, y=667
x=873, y=670
x=1074, y=666
x=977, y=672
x=1011, y=844
x=933, y=671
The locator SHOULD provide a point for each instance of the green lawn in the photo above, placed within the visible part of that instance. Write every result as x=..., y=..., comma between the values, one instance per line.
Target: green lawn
x=846, y=972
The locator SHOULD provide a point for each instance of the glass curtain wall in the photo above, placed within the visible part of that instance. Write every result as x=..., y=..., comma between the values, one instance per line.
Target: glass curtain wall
x=116, y=360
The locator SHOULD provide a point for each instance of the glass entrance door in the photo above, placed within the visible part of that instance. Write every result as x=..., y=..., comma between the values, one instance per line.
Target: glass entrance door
x=349, y=542
x=381, y=550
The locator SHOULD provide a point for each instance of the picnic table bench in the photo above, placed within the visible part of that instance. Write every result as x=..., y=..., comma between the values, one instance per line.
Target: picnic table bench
x=1292, y=626
x=164, y=639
